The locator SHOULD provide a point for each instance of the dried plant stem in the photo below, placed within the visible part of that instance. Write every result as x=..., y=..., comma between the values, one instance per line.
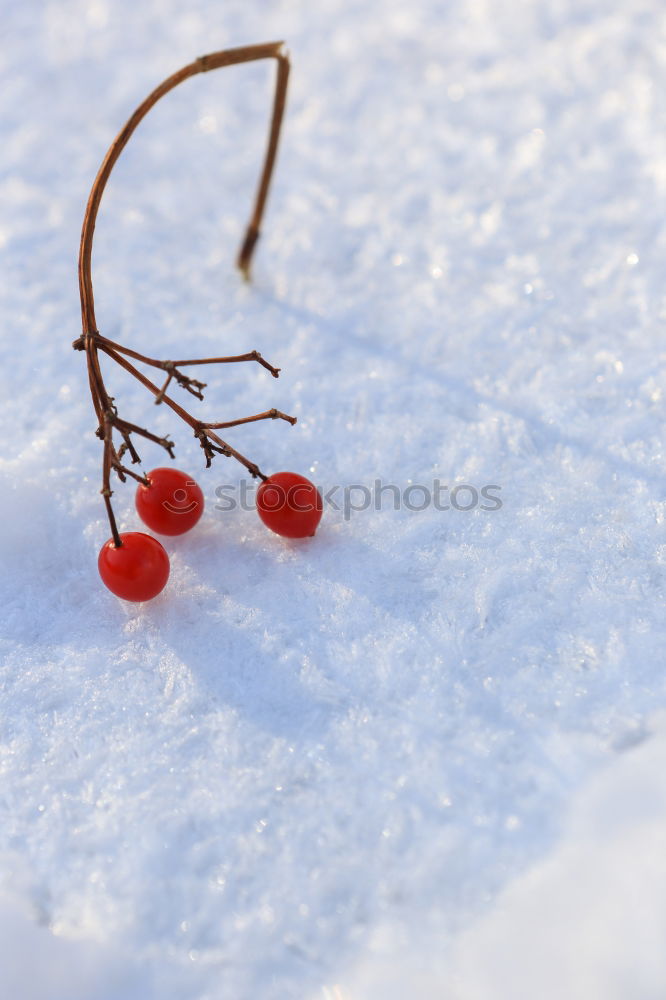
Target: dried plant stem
x=92, y=342
x=166, y=365
x=216, y=60
x=201, y=430
x=271, y=414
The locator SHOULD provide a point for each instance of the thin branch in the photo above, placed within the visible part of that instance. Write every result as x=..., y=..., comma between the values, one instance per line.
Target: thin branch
x=250, y=356
x=167, y=365
x=145, y=381
x=216, y=60
x=160, y=395
x=271, y=414
x=122, y=472
x=126, y=428
x=106, y=490
x=200, y=430
x=212, y=444
x=191, y=385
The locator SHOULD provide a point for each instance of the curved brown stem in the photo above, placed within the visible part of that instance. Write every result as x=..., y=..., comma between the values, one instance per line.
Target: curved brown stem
x=91, y=341
x=216, y=60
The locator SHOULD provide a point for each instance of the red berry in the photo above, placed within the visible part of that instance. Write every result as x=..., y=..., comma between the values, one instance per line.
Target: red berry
x=137, y=570
x=289, y=504
x=172, y=504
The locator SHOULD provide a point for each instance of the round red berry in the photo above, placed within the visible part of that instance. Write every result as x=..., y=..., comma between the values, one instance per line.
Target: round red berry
x=289, y=504
x=137, y=570
x=171, y=504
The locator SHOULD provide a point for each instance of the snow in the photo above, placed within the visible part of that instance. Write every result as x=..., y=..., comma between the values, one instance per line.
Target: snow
x=340, y=768
x=588, y=922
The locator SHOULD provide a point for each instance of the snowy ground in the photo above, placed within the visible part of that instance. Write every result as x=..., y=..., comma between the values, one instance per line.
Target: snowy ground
x=422, y=755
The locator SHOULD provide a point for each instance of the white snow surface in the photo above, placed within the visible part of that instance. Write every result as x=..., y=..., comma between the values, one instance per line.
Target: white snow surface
x=420, y=755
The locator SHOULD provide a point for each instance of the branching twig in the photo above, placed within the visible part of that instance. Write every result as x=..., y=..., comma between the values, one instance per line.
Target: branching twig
x=167, y=365
x=271, y=414
x=92, y=342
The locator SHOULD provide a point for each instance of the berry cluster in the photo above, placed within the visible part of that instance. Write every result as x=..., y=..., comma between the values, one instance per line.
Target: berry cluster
x=135, y=565
x=171, y=502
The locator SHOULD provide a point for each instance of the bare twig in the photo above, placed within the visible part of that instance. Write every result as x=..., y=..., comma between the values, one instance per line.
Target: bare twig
x=272, y=414
x=168, y=365
x=92, y=342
